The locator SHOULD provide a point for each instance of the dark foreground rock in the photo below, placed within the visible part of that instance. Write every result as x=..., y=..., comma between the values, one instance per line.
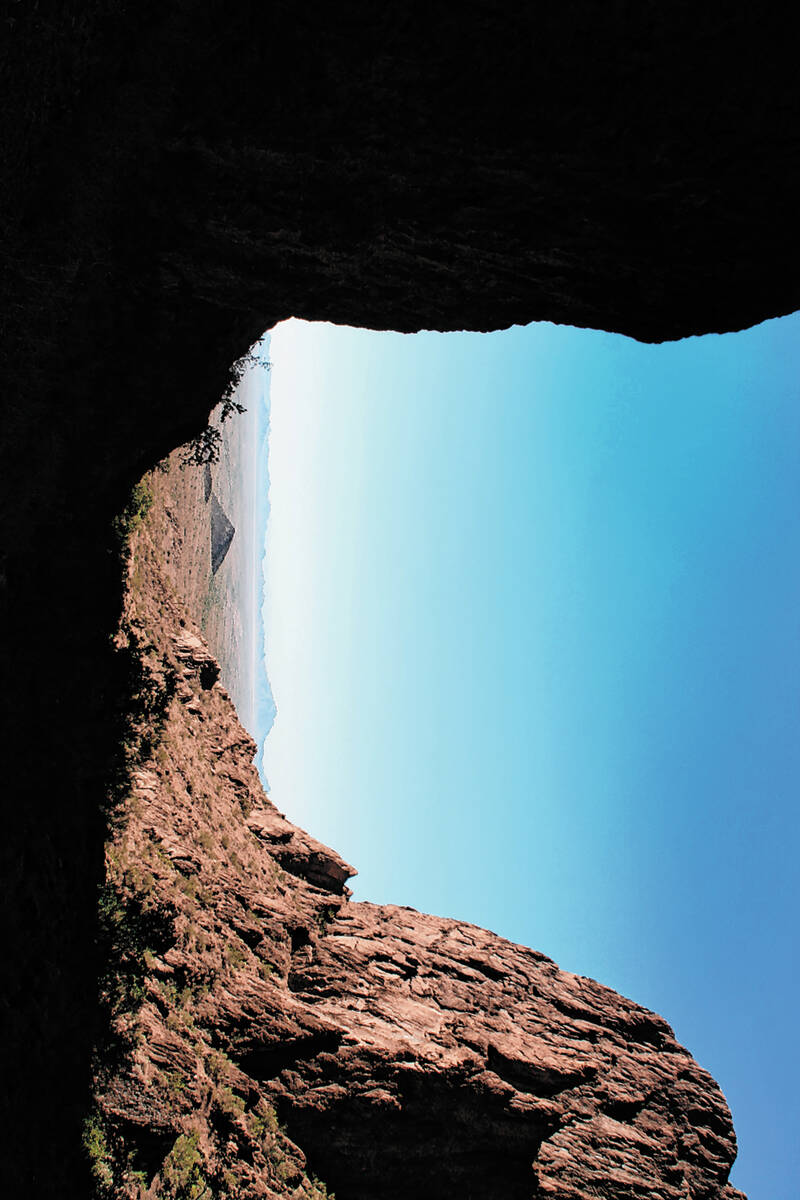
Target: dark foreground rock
x=263, y=1030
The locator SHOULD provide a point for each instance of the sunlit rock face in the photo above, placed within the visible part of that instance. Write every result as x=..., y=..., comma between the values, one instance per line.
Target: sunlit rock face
x=464, y=1065
x=177, y=179
x=268, y=1032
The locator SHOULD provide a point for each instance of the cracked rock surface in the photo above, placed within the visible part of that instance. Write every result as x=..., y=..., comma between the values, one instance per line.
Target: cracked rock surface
x=280, y=1032
x=482, y=1069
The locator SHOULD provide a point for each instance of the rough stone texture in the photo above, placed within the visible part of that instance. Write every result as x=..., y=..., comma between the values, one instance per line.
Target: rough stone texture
x=470, y=1066
x=176, y=178
x=292, y=1033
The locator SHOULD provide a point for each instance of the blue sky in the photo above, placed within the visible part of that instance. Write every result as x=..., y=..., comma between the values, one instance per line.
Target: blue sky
x=533, y=631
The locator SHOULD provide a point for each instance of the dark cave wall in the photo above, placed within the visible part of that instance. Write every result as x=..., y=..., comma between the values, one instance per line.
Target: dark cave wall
x=178, y=178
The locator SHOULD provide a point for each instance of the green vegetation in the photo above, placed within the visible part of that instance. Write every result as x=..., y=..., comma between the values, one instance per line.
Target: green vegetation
x=137, y=908
x=319, y=1191
x=229, y=1103
x=128, y=933
x=146, y=689
x=325, y=916
x=131, y=928
x=205, y=448
x=188, y=884
x=218, y=1065
x=262, y=1122
x=95, y=1145
x=110, y=1164
x=230, y=1183
x=132, y=515
x=182, y=1174
x=175, y=1082
x=235, y=954
x=204, y=839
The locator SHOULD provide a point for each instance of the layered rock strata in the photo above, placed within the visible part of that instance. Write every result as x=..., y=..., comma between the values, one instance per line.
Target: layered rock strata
x=264, y=1030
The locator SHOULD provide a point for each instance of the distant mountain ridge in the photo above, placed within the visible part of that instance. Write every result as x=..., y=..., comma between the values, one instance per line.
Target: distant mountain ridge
x=264, y=701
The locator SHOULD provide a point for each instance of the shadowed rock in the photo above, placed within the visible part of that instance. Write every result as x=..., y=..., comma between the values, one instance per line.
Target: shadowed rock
x=222, y=532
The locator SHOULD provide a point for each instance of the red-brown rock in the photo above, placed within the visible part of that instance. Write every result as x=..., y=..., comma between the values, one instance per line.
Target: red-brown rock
x=270, y=1029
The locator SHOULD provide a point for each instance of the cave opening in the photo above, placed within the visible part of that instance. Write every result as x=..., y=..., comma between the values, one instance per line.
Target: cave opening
x=176, y=183
x=526, y=564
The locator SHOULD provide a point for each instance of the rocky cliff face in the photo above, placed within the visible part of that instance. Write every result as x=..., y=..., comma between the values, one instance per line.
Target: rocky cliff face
x=264, y=1030
x=176, y=178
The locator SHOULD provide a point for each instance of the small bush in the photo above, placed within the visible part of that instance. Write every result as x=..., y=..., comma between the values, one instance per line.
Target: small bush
x=128, y=934
x=205, y=448
x=325, y=916
x=231, y=1104
x=263, y=1122
x=235, y=955
x=319, y=1191
x=176, y=1082
x=134, y=512
x=95, y=1145
x=182, y=1172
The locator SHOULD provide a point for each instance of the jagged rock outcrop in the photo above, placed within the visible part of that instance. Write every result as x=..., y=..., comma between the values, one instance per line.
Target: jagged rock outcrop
x=465, y=1065
x=268, y=1030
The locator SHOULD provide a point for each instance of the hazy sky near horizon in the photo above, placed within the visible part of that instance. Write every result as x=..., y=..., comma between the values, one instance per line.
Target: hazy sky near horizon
x=533, y=632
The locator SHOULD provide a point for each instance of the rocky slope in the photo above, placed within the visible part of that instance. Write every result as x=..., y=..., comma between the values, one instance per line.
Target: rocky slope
x=263, y=1029
x=202, y=526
